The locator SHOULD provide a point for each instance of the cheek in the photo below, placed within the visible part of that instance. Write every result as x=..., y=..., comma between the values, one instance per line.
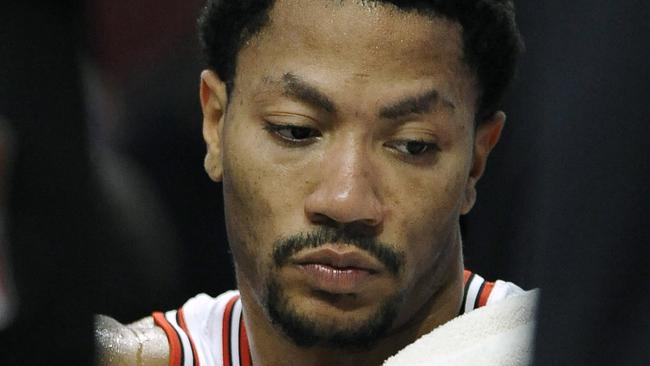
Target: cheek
x=430, y=200
x=426, y=216
x=261, y=200
x=245, y=206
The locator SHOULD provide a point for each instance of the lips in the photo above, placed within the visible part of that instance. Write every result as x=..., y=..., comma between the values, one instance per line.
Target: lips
x=337, y=269
x=339, y=257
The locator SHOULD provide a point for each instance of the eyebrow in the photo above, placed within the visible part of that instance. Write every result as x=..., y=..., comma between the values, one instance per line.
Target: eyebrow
x=417, y=104
x=296, y=88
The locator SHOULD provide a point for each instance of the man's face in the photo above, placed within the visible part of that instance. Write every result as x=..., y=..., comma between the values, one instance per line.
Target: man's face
x=348, y=153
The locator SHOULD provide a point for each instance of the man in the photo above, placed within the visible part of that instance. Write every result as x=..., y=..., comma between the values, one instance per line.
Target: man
x=349, y=137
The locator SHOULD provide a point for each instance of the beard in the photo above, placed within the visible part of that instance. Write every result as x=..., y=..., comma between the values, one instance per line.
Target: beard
x=306, y=331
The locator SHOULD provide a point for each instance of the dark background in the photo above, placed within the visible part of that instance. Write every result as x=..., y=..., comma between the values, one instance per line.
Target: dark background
x=109, y=209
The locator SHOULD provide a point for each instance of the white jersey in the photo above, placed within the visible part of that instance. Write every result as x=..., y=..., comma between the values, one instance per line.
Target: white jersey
x=211, y=332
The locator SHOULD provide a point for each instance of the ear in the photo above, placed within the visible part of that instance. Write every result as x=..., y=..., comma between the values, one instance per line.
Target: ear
x=485, y=138
x=214, y=100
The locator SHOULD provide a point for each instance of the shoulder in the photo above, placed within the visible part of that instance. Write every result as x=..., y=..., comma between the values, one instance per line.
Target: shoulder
x=199, y=312
x=119, y=344
x=195, y=331
x=164, y=336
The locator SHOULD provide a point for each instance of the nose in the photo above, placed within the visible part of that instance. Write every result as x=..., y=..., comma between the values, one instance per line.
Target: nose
x=346, y=192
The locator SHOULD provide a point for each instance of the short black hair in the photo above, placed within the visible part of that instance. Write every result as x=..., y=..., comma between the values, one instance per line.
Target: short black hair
x=491, y=41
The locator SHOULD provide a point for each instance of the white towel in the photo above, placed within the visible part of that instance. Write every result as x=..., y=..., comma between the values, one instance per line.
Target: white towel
x=500, y=334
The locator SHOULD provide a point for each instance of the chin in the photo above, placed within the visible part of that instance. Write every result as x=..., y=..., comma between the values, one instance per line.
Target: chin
x=329, y=320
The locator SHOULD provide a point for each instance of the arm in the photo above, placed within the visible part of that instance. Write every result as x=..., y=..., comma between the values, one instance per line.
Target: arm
x=140, y=343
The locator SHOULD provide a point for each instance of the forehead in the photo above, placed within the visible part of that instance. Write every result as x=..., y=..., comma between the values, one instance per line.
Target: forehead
x=351, y=40
x=336, y=23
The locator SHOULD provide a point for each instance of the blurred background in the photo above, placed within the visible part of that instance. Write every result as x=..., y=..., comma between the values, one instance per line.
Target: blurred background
x=105, y=207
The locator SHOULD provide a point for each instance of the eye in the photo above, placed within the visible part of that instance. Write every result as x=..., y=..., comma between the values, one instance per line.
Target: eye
x=292, y=133
x=414, y=147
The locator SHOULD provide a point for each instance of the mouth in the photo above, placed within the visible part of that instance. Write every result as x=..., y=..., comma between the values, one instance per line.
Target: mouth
x=337, y=269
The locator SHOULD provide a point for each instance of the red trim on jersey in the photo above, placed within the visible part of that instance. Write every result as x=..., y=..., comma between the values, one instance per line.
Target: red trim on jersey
x=175, y=349
x=181, y=322
x=485, y=294
x=244, y=348
x=466, y=276
x=225, y=334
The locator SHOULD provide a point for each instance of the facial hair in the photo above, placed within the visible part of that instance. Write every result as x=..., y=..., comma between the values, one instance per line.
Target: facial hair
x=305, y=331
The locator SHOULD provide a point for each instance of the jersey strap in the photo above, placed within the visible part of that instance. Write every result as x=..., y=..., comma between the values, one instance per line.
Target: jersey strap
x=181, y=345
x=183, y=324
x=234, y=340
x=476, y=293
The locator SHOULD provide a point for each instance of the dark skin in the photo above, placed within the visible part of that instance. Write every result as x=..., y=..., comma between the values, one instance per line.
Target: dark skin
x=347, y=116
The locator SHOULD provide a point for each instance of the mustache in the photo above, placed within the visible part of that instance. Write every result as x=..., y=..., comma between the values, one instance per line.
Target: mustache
x=286, y=247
